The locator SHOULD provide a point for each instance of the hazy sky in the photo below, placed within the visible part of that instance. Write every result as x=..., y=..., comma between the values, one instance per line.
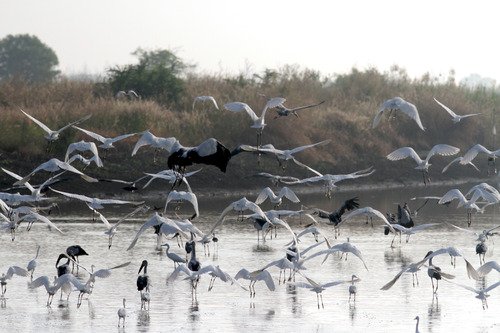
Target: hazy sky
x=229, y=36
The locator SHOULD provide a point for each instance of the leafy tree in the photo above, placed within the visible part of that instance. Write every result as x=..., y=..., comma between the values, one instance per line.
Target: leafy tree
x=157, y=75
x=26, y=57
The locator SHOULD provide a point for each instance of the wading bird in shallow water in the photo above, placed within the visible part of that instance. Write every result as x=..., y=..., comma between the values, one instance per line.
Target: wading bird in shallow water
x=435, y=273
x=143, y=284
x=174, y=256
x=32, y=264
x=122, y=313
x=440, y=149
x=258, y=122
x=400, y=104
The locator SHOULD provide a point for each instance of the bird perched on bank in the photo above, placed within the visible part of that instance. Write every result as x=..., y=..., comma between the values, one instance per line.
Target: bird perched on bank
x=400, y=104
x=440, y=149
x=122, y=313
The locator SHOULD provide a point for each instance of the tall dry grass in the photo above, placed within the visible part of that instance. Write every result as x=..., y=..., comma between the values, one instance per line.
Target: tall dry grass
x=351, y=102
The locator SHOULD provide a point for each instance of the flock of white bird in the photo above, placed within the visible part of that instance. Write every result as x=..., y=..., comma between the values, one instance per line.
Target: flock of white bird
x=17, y=208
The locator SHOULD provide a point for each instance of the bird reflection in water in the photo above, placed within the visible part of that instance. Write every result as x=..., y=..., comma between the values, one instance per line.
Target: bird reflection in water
x=194, y=311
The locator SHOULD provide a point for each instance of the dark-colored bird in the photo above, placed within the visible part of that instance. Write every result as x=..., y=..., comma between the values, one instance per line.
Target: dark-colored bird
x=74, y=251
x=481, y=249
x=143, y=280
x=403, y=219
x=210, y=152
x=335, y=217
x=435, y=272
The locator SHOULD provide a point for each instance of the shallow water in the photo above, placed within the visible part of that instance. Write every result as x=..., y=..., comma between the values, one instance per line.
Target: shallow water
x=229, y=307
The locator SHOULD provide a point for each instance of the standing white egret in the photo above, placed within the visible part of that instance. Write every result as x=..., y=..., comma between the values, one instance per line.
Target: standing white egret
x=352, y=288
x=440, y=149
x=32, y=264
x=400, y=104
x=174, y=256
x=258, y=122
x=205, y=98
x=122, y=313
x=455, y=117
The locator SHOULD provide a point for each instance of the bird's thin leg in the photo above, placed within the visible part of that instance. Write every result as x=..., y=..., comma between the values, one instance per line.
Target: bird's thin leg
x=321, y=296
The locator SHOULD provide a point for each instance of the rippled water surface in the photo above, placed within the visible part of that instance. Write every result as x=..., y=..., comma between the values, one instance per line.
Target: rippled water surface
x=229, y=307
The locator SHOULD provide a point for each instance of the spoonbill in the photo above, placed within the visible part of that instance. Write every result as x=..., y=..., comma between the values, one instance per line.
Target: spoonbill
x=205, y=98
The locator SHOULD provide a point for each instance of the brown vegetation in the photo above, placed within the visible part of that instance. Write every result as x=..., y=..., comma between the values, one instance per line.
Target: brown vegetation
x=346, y=117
